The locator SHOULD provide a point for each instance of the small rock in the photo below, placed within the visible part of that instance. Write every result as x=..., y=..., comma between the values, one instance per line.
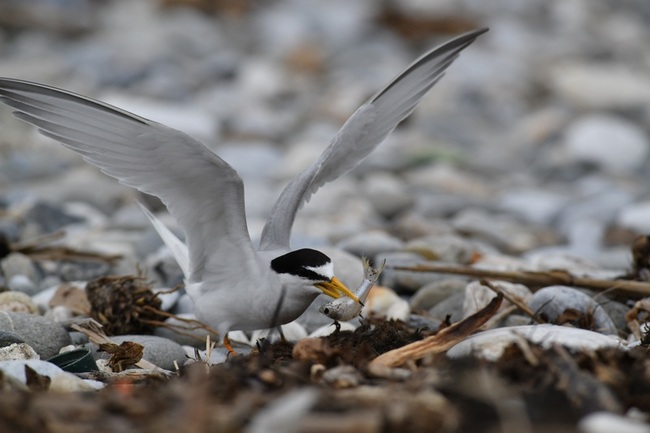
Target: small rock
x=45, y=336
x=451, y=306
x=21, y=283
x=607, y=422
x=9, y=338
x=61, y=380
x=554, y=302
x=17, y=351
x=344, y=376
x=610, y=142
x=17, y=302
x=635, y=216
x=50, y=217
x=435, y=292
x=369, y=244
x=600, y=85
x=387, y=193
x=19, y=264
x=478, y=296
x=490, y=345
x=384, y=302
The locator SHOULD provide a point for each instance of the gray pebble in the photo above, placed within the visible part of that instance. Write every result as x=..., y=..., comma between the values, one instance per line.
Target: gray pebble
x=44, y=335
x=19, y=264
x=451, y=306
x=22, y=283
x=435, y=292
x=370, y=243
x=552, y=301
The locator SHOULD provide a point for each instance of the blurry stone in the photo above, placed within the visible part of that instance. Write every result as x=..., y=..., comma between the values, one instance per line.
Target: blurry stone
x=17, y=351
x=600, y=85
x=344, y=376
x=635, y=216
x=448, y=249
x=45, y=336
x=555, y=302
x=413, y=225
x=451, y=306
x=490, y=345
x=61, y=381
x=591, y=138
x=405, y=280
x=607, y=422
x=536, y=205
x=19, y=264
x=446, y=178
x=9, y=338
x=17, y=302
x=22, y=283
x=293, y=331
x=370, y=243
x=251, y=159
x=503, y=231
x=477, y=296
x=50, y=217
x=435, y=292
x=387, y=193
x=384, y=302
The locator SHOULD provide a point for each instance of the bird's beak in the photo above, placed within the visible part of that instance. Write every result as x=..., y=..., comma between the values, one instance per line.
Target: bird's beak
x=335, y=289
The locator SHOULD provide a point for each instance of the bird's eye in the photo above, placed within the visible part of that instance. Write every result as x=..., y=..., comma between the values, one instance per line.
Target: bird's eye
x=326, y=311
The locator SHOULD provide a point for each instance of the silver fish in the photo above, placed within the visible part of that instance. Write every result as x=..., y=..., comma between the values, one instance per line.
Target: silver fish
x=346, y=308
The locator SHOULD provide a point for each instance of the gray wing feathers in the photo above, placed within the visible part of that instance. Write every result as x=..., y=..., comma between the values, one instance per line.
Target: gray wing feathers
x=361, y=134
x=200, y=190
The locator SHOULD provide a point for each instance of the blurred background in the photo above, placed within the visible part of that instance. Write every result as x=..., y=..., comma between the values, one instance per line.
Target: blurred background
x=537, y=138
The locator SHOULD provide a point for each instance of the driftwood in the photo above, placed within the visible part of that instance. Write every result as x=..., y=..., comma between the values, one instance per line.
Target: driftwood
x=536, y=279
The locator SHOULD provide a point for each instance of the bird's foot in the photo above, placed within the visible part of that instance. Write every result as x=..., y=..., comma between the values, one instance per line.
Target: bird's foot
x=228, y=346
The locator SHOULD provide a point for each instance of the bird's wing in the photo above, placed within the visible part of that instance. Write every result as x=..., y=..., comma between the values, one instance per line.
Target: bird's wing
x=361, y=134
x=201, y=191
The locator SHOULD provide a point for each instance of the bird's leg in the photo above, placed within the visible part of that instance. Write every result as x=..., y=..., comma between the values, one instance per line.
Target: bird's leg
x=337, y=325
x=227, y=345
x=282, y=337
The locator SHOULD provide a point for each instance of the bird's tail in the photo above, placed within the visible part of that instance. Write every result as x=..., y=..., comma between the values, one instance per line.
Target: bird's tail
x=178, y=248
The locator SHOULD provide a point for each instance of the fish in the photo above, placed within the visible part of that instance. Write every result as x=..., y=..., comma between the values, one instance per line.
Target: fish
x=346, y=308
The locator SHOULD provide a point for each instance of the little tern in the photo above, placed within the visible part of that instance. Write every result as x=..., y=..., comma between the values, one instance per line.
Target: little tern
x=233, y=285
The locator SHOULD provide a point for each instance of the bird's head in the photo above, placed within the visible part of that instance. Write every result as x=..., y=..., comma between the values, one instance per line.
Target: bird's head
x=311, y=270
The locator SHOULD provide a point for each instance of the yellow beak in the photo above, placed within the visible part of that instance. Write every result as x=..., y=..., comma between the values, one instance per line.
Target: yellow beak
x=335, y=289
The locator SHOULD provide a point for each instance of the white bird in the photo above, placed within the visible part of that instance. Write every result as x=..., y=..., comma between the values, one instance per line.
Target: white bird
x=233, y=285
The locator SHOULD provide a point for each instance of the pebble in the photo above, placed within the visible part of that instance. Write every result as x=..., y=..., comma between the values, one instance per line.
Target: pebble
x=435, y=292
x=590, y=139
x=478, y=296
x=384, y=302
x=45, y=336
x=607, y=422
x=17, y=351
x=600, y=85
x=17, y=302
x=371, y=243
x=61, y=380
x=19, y=264
x=22, y=284
x=635, y=216
x=388, y=194
x=553, y=301
x=490, y=345
x=451, y=306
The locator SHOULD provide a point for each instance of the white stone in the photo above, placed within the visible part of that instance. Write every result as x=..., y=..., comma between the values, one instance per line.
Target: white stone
x=610, y=142
x=607, y=422
x=491, y=344
x=635, y=216
x=600, y=85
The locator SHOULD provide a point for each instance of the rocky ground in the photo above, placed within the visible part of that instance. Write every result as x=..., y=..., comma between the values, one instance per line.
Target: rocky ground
x=521, y=174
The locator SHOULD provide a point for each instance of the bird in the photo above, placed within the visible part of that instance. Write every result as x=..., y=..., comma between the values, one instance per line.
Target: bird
x=233, y=284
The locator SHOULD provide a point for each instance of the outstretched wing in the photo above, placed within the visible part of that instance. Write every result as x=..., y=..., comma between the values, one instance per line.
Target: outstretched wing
x=361, y=134
x=200, y=190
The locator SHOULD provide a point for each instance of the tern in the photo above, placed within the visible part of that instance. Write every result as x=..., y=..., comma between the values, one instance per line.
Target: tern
x=233, y=285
